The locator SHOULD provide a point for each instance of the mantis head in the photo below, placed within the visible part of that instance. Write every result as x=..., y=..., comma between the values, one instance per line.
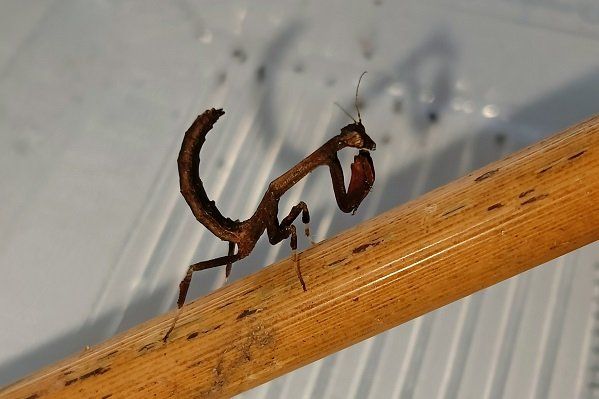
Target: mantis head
x=362, y=169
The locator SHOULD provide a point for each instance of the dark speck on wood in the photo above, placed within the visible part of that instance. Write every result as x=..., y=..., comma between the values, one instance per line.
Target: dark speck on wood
x=495, y=206
x=193, y=335
x=106, y=396
x=146, y=347
x=336, y=262
x=106, y=356
x=98, y=371
x=576, y=155
x=486, y=175
x=525, y=193
x=211, y=329
x=225, y=305
x=249, y=291
x=246, y=313
x=195, y=364
x=453, y=210
x=363, y=247
x=533, y=199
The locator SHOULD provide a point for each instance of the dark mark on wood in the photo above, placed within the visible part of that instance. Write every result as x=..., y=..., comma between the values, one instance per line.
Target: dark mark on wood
x=68, y=372
x=356, y=299
x=225, y=305
x=114, y=352
x=193, y=335
x=576, y=155
x=495, y=206
x=211, y=329
x=246, y=313
x=250, y=291
x=363, y=247
x=453, y=210
x=195, y=364
x=146, y=347
x=533, y=199
x=69, y=382
x=545, y=169
x=336, y=262
x=34, y=396
x=106, y=396
x=98, y=371
x=486, y=175
x=218, y=381
x=525, y=193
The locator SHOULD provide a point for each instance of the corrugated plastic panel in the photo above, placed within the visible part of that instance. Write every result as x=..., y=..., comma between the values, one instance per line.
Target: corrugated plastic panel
x=94, y=236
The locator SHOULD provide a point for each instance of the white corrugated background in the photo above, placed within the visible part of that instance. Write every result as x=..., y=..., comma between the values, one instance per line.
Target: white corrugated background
x=94, y=236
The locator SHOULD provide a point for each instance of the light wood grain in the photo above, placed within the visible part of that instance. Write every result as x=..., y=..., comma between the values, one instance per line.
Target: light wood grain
x=501, y=220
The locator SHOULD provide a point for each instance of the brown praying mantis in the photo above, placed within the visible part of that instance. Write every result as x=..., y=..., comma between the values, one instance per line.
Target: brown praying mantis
x=245, y=234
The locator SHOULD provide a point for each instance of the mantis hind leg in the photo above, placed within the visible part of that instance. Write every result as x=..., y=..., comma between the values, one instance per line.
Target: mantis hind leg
x=184, y=285
x=207, y=264
x=229, y=267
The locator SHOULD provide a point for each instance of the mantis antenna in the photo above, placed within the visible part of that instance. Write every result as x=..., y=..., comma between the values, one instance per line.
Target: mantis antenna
x=346, y=113
x=355, y=103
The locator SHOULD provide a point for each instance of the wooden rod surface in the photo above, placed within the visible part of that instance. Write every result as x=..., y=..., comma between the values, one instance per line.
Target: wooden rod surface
x=501, y=220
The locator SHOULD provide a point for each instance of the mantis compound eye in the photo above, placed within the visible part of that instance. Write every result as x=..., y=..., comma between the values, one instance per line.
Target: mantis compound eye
x=362, y=178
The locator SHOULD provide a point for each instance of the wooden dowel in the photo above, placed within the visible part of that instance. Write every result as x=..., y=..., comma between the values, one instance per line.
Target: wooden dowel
x=501, y=220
